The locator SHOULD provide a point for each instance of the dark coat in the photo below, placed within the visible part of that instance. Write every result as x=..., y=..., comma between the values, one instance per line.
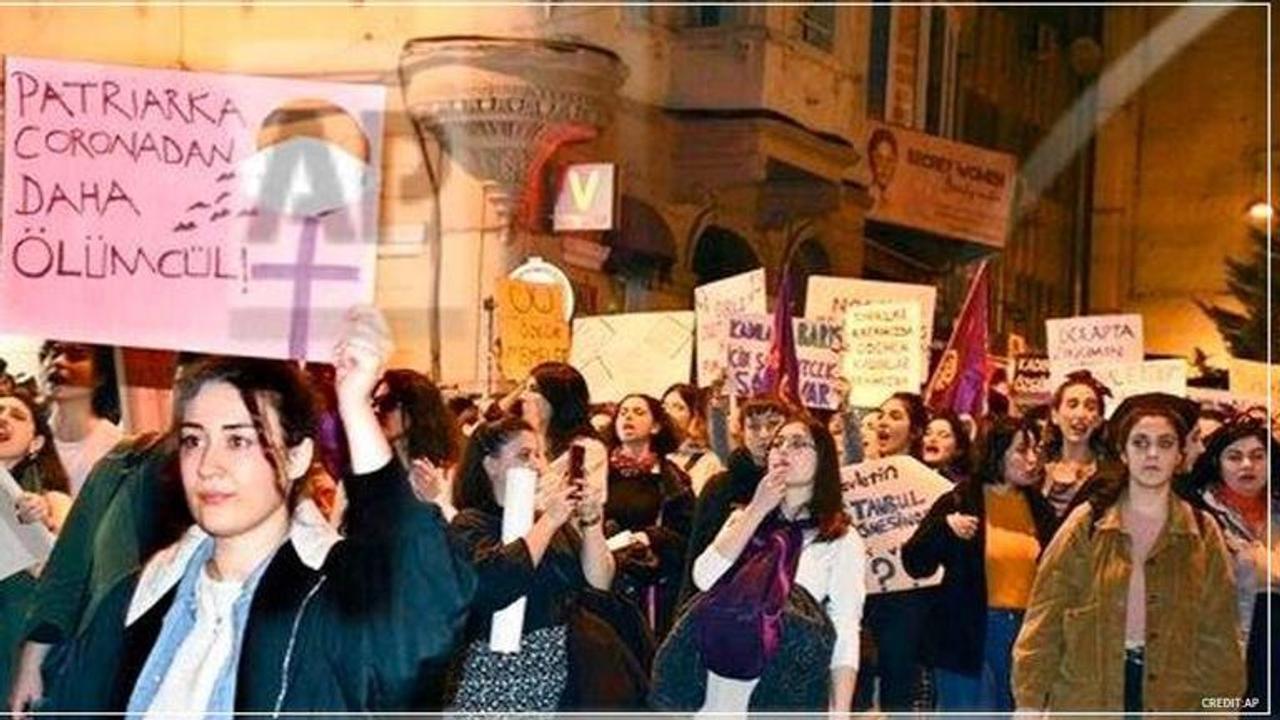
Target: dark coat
x=371, y=629
x=127, y=509
x=958, y=634
x=724, y=492
x=663, y=511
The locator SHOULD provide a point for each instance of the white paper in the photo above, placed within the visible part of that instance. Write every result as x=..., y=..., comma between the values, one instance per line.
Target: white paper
x=517, y=518
x=21, y=545
x=619, y=541
x=714, y=303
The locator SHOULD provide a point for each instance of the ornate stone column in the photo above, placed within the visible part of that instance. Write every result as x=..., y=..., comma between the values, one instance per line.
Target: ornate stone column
x=499, y=108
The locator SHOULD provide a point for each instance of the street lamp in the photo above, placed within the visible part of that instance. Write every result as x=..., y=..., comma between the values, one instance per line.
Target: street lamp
x=1259, y=212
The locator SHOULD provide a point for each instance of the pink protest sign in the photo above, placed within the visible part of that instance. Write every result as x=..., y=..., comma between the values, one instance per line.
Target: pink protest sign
x=181, y=210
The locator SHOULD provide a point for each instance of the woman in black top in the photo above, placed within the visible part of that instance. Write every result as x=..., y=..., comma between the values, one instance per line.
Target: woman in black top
x=650, y=498
x=563, y=553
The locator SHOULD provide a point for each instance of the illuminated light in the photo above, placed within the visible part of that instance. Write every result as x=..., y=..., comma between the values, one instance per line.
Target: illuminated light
x=1260, y=212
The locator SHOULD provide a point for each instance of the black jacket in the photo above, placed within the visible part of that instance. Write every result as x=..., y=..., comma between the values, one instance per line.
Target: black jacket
x=724, y=492
x=958, y=632
x=371, y=629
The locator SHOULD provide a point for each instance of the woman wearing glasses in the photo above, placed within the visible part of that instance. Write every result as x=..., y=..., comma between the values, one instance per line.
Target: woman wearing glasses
x=782, y=592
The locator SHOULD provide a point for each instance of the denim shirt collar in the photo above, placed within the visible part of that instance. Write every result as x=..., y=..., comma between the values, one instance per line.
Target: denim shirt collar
x=179, y=621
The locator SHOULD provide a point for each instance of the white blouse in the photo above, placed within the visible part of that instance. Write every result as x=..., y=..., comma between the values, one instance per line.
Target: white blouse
x=831, y=571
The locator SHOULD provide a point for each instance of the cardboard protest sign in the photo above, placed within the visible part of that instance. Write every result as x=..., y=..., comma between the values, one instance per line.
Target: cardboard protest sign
x=1031, y=384
x=830, y=297
x=1248, y=379
x=1089, y=340
x=746, y=351
x=880, y=358
x=636, y=352
x=887, y=499
x=21, y=546
x=818, y=346
x=816, y=343
x=531, y=325
x=195, y=211
x=714, y=303
x=1128, y=379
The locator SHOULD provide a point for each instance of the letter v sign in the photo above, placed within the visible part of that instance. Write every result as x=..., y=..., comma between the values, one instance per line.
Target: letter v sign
x=583, y=184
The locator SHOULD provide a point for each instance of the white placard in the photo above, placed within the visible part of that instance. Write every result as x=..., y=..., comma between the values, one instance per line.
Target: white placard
x=714, y=303
x=1090, y=340
x=517, y=517
x=21, y=545
x=886, y=499
x=879, y=358
x=830, y=297
x=1128, y=379
x=632, y=353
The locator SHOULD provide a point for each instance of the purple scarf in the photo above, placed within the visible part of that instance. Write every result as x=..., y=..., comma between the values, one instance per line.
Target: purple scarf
x=738, y=622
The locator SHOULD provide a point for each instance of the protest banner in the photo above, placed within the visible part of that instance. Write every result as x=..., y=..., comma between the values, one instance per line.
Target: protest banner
x=1031, y=383
x=816, y=343
x=1248, y=379
x=746, y=350
x=531, y=326
x=1128, y=379
x=886, y=499
x=21, y=546
x=818, y=346
x=879, y=351
x=1089, y=340
x=714, y=303
x=830, y=297
x=635, y=352
x=190, y=211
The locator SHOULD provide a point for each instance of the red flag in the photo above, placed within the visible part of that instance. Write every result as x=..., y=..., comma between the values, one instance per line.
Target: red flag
x=959, y=383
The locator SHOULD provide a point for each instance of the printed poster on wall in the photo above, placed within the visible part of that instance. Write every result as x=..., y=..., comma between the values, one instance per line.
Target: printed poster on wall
x=939, y=186
x=196, y=211
x=886, y=499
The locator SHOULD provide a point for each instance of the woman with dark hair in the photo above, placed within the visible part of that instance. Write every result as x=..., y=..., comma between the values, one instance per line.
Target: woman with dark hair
x=987, y=534
x=257, y=609
x=782, y=591
x=422, y=431
x=1230, y=483
x=27, y=452
x=902, y=421
x=946, y=446
x=1075, y=449
x=688, y=412
x=561, y=555
x=650, y=507
x=895, y=622
x=27, y=455
x=81, y=383
x=1132, y=609
x=555, y=401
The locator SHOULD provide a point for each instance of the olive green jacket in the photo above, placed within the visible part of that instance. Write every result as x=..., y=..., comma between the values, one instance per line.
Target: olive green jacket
x=1070, y=654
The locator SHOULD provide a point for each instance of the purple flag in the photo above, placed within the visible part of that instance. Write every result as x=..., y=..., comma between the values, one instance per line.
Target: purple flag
x=781, y=374
x=959, y=383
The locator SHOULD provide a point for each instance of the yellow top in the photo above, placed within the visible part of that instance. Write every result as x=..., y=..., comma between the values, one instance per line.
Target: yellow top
x=1012, y=549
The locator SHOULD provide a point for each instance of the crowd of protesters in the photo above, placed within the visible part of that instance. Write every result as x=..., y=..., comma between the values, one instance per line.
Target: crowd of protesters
x=334, y=541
